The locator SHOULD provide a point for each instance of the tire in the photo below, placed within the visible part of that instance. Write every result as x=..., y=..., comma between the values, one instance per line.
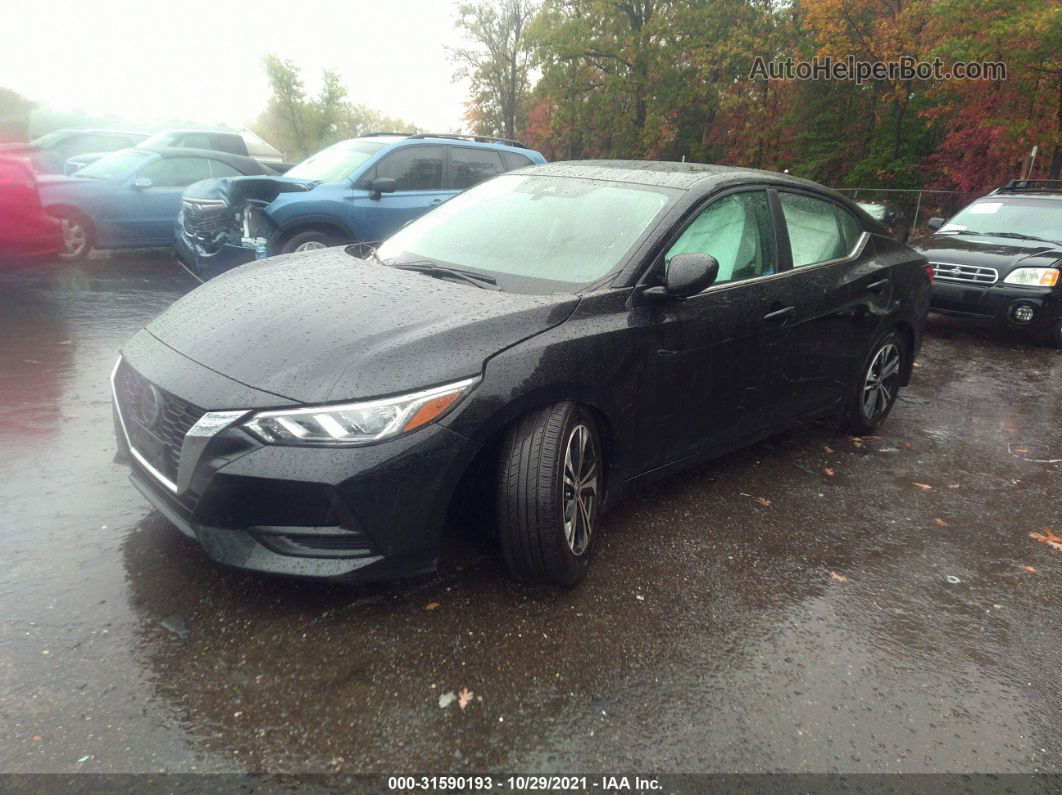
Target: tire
x=874, y=394
x=78, y=235
x=547, y=530
x=310, y=240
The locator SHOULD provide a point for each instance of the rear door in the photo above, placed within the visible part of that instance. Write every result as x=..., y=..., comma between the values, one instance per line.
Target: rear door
x=418, y=174
x=713, y=357
x=145, y=216
x=840, y=291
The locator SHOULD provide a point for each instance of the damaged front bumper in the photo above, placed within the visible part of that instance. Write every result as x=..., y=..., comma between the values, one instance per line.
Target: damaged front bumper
x=222, y=225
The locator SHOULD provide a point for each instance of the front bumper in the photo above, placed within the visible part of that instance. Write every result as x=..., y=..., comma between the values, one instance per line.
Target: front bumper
x=206, y=264
x=998, y=303
x=352, y=514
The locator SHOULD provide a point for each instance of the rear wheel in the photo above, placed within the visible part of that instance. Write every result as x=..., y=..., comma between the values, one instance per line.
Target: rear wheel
x=310, y=240
x=549, y=488
x=77, y=235
x=875, y=393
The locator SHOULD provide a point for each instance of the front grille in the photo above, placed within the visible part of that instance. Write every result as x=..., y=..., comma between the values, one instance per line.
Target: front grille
x=967, y=274
x=205, y=218
x=155, y=419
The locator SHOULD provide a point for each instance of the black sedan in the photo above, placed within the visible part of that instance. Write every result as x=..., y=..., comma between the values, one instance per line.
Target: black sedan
x=531, y=349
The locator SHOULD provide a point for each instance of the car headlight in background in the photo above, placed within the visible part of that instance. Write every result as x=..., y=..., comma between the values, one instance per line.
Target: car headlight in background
x=1033, y=277
x=357, y=423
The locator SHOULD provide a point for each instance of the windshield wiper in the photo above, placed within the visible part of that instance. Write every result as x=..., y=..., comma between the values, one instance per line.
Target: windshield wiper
x=1020, y=236
x=434, y=269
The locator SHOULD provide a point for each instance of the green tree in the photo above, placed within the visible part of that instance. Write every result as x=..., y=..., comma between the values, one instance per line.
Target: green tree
x=497, y=62
x=14, y=116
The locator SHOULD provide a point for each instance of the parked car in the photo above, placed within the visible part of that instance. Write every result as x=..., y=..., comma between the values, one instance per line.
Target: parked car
x=537, y=346
x=998, y=259
x=359, y=190
x=49, y=152
x=129, y=199
x=888, y=215
x=27, y=232
x=214, y=140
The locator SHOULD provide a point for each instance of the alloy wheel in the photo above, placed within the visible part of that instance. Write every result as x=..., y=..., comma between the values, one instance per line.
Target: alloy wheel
x=581, y=484
x=882, y=380
x=75, y=238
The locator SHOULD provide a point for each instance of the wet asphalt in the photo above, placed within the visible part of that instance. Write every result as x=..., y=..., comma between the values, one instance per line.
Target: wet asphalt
x=814, y=603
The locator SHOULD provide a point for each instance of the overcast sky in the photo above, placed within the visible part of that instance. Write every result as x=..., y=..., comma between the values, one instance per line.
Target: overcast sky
x=202, y=61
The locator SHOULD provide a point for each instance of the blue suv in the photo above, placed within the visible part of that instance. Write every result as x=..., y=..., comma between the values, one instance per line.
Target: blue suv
x=356, y=191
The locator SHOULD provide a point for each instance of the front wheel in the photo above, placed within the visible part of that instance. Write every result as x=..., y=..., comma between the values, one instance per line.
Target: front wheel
x=875, y=393
x=310, y=240
x=549, y=488
x=77, y=236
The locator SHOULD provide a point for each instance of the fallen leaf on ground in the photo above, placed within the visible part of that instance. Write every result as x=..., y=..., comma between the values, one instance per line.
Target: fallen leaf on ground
x=857, y=442
x=431, y=605
x=941, y=522
x=924, y=486
x=827, y=448
x=464, y=697
x=827, y=471
x=1049, y=538
x=1031, y=569
x=917, y=365
x=838, y=577
x=763, y=501
x=953, y=485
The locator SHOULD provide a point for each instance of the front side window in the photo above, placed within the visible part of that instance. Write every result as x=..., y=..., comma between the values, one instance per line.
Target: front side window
x=737, y=231
x=176, y=172
x=564, y=231
x=414, y=168
x=219, y=169
x=469, y=167
x=814, y=231
x=197, y=141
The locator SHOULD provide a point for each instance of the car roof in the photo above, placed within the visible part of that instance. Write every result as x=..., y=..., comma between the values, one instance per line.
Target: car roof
x=670, y=174
x=236, y=161
x=183, y=130
x=445, y=138
x=95, y=130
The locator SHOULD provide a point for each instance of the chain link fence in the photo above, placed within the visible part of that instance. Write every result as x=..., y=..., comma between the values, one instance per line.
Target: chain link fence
x=914, y=207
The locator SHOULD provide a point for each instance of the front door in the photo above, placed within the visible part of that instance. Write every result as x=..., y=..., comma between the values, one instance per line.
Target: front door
x=418, y=174
x=714, y=357
x=145, y=214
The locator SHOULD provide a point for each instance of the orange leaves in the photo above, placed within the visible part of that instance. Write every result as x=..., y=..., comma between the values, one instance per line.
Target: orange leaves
x=464, y=697
x=1049, y=538
x=923, y=486
x=838, y=577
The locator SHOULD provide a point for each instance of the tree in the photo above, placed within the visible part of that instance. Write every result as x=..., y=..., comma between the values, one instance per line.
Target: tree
x=14, y=116
x=497, y=62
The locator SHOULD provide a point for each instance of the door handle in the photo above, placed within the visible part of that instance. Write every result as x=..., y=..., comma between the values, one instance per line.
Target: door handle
x=435, y=201
x=878, y=286
x=780, y=315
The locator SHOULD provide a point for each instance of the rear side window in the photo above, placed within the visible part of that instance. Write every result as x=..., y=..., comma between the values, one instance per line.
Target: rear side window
x=176, y=172
x=197, y=141
x=219, y=169
x=414, y=168
x=471, y=166
x=814, y=231
x=513, y=160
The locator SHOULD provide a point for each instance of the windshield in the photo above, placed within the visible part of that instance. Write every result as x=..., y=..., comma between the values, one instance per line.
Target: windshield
x=565, y=230
x=336, y=162
x=115, y=165
x=51, y=139
x=1026, y=216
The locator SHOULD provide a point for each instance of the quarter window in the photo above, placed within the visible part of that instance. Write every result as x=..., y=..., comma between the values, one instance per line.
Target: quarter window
x=737, y=231
x=470, y=166
x=814, y=229
x=176, y=172
x=219, y=169
x=414, y=168
x=851, y=229
x=513, y=160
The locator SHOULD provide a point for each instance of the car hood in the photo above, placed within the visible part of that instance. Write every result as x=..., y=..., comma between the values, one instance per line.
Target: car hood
x=321, y=325
x=1000, y=253
x=260, y=189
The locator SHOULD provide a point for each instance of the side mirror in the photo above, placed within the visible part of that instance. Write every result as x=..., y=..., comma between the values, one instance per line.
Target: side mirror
x=140, y=183
x=687, y=274
x=935, y=224
x=382, y=185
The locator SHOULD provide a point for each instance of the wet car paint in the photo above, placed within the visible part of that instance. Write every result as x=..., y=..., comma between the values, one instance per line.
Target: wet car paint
x=708, y=636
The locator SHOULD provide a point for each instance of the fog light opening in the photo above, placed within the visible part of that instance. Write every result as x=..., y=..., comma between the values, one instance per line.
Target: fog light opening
x=1022, y=313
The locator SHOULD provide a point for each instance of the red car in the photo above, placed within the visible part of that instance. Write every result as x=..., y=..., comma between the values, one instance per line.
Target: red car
x=26, y=230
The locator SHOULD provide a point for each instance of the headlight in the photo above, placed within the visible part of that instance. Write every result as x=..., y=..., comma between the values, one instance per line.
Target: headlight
x=357, y=423
x=1033, y=277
